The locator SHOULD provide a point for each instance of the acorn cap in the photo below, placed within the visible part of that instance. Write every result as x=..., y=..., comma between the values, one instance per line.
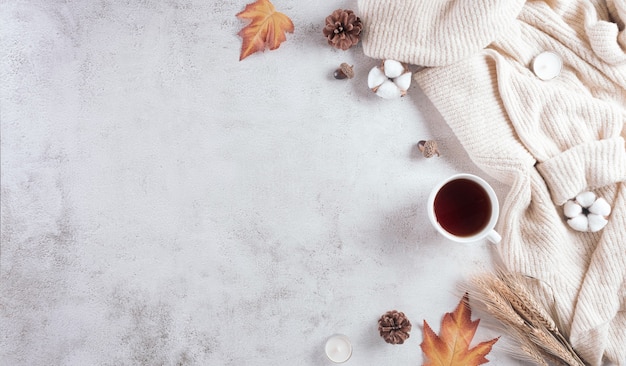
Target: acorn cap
x=428, y=148
x=344, y=71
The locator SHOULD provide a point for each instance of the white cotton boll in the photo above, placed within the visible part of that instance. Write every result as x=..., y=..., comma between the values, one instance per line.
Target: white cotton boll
x=600, y=207
x=572, y=209
x=587, y=213
x=596, y=222
x=404, y=81
x=375, y=77
x=393, y=68
x=586, y=199
x=388, y=90
x=579, y=223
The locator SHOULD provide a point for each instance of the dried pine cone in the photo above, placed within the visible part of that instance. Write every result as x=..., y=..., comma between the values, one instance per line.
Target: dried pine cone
x=342, y=29
x=394, y=327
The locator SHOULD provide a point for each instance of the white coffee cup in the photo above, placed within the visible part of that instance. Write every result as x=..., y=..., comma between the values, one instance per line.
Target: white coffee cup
x=464, y=208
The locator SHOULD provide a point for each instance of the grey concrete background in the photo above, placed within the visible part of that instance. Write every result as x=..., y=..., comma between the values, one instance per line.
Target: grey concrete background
x=164, y=203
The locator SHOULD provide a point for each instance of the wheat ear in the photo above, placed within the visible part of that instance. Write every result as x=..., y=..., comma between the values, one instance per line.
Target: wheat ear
x=554, y=347
x=497, y=306
x=505, y=297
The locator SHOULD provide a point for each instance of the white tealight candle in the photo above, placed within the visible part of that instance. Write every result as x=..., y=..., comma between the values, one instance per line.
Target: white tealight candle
x=338, y=348
x=547, y=65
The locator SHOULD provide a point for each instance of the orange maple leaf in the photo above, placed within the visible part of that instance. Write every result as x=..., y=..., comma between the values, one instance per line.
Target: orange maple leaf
x=266, y=29
x=451, y=348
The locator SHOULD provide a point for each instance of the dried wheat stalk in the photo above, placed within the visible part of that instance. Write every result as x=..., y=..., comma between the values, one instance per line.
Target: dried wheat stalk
x=553, y=346
x=516, y=285
x=504, y=296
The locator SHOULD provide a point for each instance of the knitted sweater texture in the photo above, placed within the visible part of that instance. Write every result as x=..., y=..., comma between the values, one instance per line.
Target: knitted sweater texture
x=547, y=140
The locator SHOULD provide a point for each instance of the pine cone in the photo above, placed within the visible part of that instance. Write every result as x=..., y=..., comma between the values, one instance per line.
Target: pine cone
x=342, y=29
x=394, y=327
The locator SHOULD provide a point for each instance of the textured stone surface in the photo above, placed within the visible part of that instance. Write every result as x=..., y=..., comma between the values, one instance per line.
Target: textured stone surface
x=165, y=204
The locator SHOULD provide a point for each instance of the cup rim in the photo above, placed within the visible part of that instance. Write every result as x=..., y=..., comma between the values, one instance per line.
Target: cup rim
x=495, y=208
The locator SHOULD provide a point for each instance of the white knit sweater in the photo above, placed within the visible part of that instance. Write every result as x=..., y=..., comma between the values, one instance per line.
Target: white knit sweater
x=548, y=140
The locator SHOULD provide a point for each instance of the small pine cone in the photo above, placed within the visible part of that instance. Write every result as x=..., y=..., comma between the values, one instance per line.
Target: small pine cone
x=342, y=29
x=394, y=327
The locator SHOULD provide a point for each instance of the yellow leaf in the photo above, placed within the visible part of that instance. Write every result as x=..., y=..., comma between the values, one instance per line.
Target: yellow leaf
x=266, y=29
x=451, y=347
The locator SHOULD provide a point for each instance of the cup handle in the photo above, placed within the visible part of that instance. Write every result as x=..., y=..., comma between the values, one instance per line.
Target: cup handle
x=494, y=237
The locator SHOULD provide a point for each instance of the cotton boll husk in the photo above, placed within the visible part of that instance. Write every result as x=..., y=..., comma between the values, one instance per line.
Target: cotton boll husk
x=388, y=90
x=596, y=222
x=600, y=207
x=403, y=81
x=572, y=209
x=393, y=68
x=375, y=78
x=579, y=223
x=586, y=199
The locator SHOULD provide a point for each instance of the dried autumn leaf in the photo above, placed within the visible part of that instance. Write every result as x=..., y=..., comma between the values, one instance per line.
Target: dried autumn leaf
x=451, y=347
x=266, y=29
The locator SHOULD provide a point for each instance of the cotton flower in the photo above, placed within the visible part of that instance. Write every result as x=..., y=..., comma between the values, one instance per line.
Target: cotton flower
x=390, y=80
x=587, y=212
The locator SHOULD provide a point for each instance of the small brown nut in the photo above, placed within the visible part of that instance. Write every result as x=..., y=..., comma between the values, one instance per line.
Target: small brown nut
x=344, y=71
x=428, y=148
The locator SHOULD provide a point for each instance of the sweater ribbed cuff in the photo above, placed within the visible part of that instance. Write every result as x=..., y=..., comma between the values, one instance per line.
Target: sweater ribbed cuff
x=591, y=165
